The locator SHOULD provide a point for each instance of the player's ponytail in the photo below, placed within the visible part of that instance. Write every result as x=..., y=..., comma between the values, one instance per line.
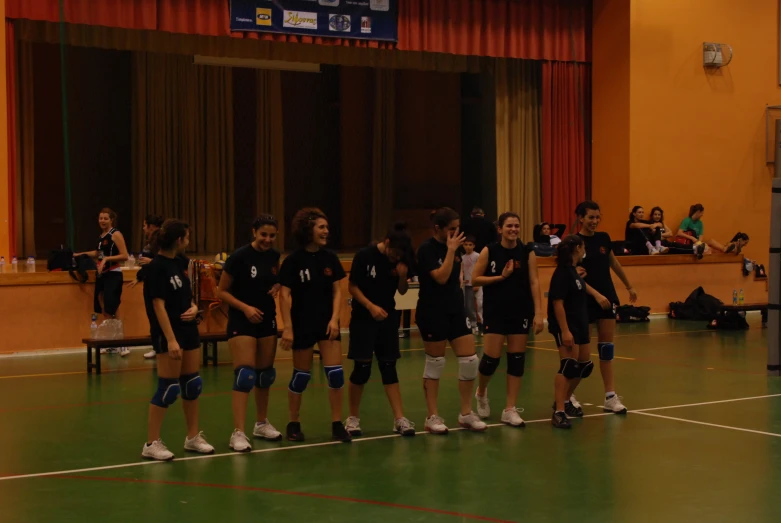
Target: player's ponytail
x=165, y=237
x=566, y=249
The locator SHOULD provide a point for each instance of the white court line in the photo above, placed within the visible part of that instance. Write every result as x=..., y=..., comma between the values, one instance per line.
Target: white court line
x=709, y=424
x=372, y=438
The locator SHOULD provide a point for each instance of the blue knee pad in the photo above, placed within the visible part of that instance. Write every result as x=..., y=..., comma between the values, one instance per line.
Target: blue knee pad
x=265, y=377
x=334, y=374
x=299, y=381
x=191, y=385
x=168, y=390
x=388, y=372
x=605, y=351
x=362, y=371
x=244, y=378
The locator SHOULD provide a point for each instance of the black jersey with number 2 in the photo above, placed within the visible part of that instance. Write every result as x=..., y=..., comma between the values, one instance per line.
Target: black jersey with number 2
x=567, y=285
x=166, y=279
x=511, y=297
x=374, y=274
x=597, y=264
x=254, y=273
x=447, y=298
x=310, y=277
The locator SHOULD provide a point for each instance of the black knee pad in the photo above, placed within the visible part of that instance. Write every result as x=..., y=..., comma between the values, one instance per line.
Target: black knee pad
x=488, y=365
x=362, y=371
x=516, y=362
x=586, y=368
x=569, y=368
x=388, y=372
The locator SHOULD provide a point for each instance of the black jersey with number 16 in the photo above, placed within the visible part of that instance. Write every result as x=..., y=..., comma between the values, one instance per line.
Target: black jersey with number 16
x=167, y=280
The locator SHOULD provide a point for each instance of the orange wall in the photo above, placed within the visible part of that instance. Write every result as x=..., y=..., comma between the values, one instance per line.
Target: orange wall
x=695, y=135
x=5, y=222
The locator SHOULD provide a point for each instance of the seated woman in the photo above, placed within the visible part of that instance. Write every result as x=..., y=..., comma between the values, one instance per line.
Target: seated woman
x=657, y=216
x=691, y=233
x=737, y=243
x=643, y=236
x=544, y=233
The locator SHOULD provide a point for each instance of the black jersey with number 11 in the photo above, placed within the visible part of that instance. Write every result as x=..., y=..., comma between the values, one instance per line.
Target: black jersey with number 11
x=310, y=277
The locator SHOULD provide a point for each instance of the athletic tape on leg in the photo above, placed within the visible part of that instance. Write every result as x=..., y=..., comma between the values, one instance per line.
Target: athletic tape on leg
x=388, y=372
x=488, y=365
x=168, y=390
x=467, y=367
x=516, y=363
x=434, y=367
x=191, y=385
x=606, y=351
x=362, y=371
x=569, y=368
x=265, y=377
x=334, y=374
x=299, y=381
x=244, y=378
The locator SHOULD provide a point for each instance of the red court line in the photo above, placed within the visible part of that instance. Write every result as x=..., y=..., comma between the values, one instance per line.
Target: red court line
x=294, y=493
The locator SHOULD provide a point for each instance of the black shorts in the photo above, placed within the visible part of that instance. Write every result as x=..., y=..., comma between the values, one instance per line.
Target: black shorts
x=596, y=312
x=307, y=334
x=186, y=335
x=507, y=326
x=370, y=337
x=582, y=335
x=109, y=284
x=441, y=326
x=239, y=325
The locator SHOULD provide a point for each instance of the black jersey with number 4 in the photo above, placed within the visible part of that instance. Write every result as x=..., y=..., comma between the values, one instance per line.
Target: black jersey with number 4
x=513, y=296
x=568, y=286
x=597, y=264
x=433, y=296
x=376, y=277
x=310, y=277
x=166, y=279
x=254, y=273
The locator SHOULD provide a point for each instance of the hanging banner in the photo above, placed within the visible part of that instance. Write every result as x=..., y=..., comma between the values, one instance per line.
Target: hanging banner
x=362, y=19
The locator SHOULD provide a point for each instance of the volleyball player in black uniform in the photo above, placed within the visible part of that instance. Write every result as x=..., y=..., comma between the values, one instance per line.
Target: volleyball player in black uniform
x=441, y=317
x=172, y=315
x=248, y=284
x=152, y=224
x=310, y=303
x=568, y=322
x=597, y=263
x=512, y=306
x=111, y=253
x=378, y=271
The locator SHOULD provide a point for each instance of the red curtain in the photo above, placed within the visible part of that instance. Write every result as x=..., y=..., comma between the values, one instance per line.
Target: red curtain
x=530, y=29
x=10, y=78
x=566, y=142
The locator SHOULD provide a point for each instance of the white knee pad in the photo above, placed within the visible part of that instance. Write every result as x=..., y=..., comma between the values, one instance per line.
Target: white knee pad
x=434, y=367
x=467, y=367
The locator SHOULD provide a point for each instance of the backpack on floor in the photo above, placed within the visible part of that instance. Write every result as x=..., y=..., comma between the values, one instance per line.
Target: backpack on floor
x=698, y=306
x=632, y=314
x=730, y=321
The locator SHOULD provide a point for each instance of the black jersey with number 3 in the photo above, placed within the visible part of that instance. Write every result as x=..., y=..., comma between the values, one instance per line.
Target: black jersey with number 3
x=374, y=274
x=310, y=277
x=568, y=286
x=597, y=264
x=254, y=273
x=166, y=279
x=448, y=297
x=511, y=297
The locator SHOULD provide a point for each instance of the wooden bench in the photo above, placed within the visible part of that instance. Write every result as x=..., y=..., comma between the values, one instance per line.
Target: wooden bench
x=746, y=307
x=209, y=339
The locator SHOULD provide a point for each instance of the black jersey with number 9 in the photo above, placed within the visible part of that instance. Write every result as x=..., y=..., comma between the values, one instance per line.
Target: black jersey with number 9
x=254, y=273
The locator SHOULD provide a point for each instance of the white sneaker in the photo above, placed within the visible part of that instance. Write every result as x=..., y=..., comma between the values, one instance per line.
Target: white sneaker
x=435, y=425
x=353, y=426
x=512, y=417
x=664, y=250
x=614, y=405
x=198, y=444
x=404, y=427
x=157, y=451
x=239, y=442
x=472, y=422
x=104, y=351
x=150, y=355
x=124, y=351
x=575, y=402
x=266, y=431
x=483, y=406
x=652, y=251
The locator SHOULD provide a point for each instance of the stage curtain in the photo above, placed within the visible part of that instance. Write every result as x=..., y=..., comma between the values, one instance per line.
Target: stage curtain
x=12, y=128
x=182, y=129
x=566, y=151
x=518, y=141
x=269, y=151
x=530, y=29
x=383, y=151
x=131, y=14
x=25, y=187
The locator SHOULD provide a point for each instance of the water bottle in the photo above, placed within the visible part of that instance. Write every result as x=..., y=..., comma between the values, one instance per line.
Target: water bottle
x=131, y=262
x=741, y=298
x=31, y=264
x=93, y=327
x=2, y=264
x=734, y=296
x=14, y=264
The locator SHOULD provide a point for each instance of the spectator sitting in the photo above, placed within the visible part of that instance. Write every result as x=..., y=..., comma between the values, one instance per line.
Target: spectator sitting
x=657, y=216
x=692, y=229
x=542, y=233
x=643, y=236
x=737, y=243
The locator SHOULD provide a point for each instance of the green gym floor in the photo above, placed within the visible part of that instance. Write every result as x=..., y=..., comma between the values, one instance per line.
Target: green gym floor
x=702, y=442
